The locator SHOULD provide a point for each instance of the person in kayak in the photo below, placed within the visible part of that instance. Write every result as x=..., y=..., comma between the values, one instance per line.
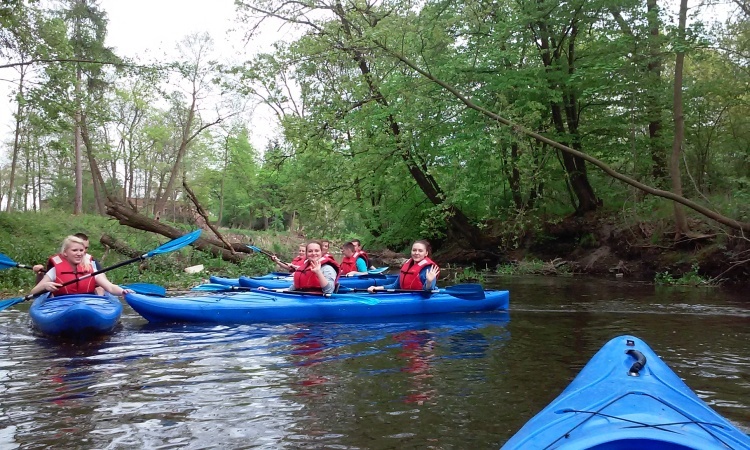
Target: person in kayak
x=325, y=246
x=88, y=259
x=418, y=273
x=352, y=265
x=69, y=265
x=359, y=252
x=318, y=274
x=296, y=263
x=39, y=269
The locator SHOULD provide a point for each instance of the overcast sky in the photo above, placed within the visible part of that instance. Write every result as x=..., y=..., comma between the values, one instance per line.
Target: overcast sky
x=148, y=30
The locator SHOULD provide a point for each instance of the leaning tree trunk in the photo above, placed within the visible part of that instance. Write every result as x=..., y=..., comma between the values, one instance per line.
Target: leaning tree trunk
x=458, y=221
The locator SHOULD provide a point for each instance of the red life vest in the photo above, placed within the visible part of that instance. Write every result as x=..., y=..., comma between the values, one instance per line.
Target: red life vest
x=65, y=272
x=298, y=261
x=349, y=264
x=362, y=254
x=409, y=277
x=306, y=280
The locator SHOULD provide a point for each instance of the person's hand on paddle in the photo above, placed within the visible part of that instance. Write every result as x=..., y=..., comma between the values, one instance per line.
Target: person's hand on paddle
x=38, y=268
x=372, y=289
x=50, y=286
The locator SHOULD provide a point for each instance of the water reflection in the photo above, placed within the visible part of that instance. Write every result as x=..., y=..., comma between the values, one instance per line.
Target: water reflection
x=452, y=381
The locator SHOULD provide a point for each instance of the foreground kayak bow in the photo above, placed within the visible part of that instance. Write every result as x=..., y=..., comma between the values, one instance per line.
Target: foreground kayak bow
x=626, y=397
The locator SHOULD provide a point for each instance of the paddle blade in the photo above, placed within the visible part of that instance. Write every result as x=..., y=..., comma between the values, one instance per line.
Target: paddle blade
x=175, y=244
x=146, y=289
x=6, y=262
x=5, y=304
x=255, y=249
x=379, y=270
x=468, y=291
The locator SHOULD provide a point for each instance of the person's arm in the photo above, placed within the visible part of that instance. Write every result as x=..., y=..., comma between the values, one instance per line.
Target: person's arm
x=47, y=283
x=279, y=263
x=109, y=286
x=328, y=274
x=394, y=285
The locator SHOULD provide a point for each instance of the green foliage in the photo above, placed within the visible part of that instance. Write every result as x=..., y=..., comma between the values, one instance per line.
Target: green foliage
x=468, y=274
x=534, y=266
x=368, y=146
x=689, y=278
x=525, y=267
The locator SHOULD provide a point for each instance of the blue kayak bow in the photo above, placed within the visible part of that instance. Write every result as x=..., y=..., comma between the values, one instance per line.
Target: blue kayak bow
x=174, y=244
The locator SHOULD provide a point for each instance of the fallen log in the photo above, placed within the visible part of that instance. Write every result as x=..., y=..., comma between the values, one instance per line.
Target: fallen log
x=128, y=216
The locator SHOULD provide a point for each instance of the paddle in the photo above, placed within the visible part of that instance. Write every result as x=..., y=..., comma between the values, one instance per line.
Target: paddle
x=174, y=244
x=260, y=250
x=7, y=263
x=146, y=289
x=215, y=287
x=469, y=291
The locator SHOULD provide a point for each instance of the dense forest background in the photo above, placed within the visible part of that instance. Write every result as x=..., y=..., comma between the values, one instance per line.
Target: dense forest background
x=477, y=122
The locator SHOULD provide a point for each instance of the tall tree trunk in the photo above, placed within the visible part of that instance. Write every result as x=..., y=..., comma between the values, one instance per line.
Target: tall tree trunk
x=96, y=176
x=681, y=225
x=78, y=203
x=562, y=115
x=16, y=138
x=653, y=104
x=223, y=176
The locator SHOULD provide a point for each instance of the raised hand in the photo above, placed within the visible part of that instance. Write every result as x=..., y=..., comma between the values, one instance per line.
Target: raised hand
x=432, y=274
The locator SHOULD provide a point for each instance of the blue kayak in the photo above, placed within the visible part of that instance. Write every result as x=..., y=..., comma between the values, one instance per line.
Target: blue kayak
x=355, y=282
x=269, y=306
x=75, y=316
x=628, y=398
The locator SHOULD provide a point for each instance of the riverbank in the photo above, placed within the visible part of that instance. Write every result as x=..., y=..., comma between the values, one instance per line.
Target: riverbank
x=603, y=245
x=600, y=245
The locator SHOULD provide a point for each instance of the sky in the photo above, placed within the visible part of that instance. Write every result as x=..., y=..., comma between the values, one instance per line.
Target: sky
x=148, y=31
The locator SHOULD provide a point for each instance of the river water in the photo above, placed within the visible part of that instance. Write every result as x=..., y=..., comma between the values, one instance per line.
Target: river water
x=449, y=382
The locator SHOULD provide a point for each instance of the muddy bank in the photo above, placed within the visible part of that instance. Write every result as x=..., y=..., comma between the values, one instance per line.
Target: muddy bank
x=600, y=245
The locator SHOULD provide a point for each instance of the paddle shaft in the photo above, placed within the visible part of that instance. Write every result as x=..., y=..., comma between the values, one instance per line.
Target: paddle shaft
x=269, y=254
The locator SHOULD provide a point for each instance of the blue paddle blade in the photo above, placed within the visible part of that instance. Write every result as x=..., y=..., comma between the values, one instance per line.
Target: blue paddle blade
x=379, y=270
x=468, y=291
x=175, y=244
x=146, y=289
x=254, y=248
x=6, y=262
x=5, y=304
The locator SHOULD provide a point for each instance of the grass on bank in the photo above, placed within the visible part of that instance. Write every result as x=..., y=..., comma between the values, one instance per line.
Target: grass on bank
x=30, y=238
